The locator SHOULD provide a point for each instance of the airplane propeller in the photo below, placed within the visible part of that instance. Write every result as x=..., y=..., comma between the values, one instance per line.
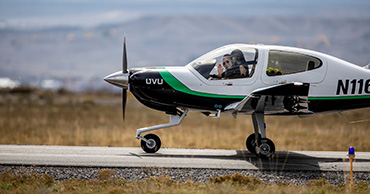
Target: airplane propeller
x=121, y=78
x=124, y=71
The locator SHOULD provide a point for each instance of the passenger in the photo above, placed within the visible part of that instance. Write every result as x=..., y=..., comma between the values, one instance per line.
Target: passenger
x=238, y=57
x=239, y=61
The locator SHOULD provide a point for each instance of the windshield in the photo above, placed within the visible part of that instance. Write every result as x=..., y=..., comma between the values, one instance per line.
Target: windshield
x=228, y=62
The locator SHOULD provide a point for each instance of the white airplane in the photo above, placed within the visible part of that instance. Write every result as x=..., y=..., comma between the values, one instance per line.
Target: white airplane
x=256, y=80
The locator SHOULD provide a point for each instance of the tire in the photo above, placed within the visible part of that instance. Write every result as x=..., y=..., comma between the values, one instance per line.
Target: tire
x=266, y=148
x=250, y=142
x=154, y=146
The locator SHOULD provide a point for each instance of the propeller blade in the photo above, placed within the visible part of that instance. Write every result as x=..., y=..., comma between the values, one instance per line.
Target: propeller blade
x=124, y=57
x=124, y=99
x=124, y=71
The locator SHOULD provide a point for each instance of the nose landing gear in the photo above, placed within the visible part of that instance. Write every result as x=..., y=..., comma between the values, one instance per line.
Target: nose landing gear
x=151, y=143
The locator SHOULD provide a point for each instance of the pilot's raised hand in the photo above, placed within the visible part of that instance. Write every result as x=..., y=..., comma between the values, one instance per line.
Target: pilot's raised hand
x=220, y=69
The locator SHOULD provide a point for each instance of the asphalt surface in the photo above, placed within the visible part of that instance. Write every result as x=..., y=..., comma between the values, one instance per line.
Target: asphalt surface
x=75, y=156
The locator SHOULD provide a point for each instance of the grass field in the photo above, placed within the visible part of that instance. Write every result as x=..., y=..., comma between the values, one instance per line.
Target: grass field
x=37, y=117
x=106, y=183
x=95, y=119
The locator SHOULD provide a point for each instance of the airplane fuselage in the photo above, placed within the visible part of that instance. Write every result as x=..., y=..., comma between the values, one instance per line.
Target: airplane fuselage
x=246, y=79
x=335, y=86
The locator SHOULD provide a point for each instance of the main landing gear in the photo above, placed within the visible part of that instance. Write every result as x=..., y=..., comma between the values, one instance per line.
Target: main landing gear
x=151, y=143
x=257, y=143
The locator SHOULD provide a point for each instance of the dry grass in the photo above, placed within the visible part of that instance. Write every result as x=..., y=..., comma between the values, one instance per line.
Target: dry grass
x=44, y=118
x=237, y=183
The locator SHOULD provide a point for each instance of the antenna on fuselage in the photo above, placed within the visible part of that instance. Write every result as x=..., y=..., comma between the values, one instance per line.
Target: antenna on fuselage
x=352, y=122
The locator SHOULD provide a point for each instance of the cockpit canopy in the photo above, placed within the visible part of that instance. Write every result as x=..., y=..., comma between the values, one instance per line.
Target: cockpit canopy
x=228, y=62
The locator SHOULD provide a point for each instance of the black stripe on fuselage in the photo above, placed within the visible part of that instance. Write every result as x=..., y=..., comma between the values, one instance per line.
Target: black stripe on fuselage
x=335, y=105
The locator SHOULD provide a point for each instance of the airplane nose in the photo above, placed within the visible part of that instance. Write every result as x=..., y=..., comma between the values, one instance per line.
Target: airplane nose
x=118, y=79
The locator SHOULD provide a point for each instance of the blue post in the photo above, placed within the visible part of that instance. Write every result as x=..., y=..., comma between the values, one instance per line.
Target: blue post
x=351, y=151
x=351, y=156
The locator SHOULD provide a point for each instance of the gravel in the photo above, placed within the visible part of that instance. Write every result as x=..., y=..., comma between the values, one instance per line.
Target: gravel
x=182, y=175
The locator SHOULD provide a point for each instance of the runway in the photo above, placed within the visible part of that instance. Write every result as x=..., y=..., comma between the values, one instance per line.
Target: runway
x=76, y=156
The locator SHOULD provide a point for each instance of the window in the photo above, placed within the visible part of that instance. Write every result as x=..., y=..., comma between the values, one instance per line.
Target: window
x=229, y=62
x=282, y=63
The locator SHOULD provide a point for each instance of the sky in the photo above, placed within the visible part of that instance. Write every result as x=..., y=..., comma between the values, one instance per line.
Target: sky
x=90, y=13
x=74, y=31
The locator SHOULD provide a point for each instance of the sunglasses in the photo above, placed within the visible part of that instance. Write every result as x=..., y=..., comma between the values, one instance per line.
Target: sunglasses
x=224, y=63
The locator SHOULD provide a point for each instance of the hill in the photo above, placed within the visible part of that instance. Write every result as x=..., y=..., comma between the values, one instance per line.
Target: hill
x=82, y=56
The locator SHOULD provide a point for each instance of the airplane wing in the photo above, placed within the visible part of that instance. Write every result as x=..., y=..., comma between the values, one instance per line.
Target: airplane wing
x=287, y=99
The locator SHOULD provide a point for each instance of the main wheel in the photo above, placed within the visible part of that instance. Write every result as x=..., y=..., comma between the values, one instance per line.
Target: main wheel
x=265, y=148
x=153, y=145
x=251, y=142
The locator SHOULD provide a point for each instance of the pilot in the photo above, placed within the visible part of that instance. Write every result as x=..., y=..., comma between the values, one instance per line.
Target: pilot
x=239, y=67
x=227, y=63
x=235, y=64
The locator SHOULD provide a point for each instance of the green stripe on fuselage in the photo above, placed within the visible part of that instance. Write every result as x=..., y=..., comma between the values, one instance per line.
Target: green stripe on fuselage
x=177, y=85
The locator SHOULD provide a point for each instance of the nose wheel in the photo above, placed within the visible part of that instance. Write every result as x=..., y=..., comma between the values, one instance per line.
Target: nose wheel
x=152, y=143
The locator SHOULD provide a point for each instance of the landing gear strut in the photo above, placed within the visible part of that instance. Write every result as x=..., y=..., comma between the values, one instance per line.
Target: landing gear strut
x=257, y=142
x=151, y=143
